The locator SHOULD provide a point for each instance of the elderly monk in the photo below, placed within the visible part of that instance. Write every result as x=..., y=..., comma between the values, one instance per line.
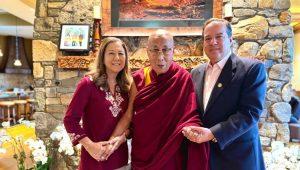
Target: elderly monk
x=165, y=103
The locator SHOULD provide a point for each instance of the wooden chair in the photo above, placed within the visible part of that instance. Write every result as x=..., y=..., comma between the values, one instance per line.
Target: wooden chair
x=295, y=132
x=30, y=108
x=21, y=108
x=8, y=111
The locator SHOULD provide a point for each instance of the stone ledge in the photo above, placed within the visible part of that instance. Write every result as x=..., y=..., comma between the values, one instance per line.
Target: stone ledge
x=83, y=62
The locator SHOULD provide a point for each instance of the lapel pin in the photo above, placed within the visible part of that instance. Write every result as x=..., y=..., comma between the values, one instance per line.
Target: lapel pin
x=220, y=85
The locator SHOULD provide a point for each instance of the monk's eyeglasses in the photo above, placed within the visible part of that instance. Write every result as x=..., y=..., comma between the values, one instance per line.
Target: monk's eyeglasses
x=157, y=51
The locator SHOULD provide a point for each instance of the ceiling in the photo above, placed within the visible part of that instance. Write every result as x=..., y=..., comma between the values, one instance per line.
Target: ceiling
x=22, y=14
x=17, y=17
x=30, y=3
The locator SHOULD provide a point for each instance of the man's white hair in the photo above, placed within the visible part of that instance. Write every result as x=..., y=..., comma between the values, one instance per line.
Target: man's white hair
x=161, y=33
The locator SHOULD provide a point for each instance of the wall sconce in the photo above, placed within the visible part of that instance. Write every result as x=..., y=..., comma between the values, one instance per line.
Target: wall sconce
x=228, y=15
x=97, y=27
x=97, y=12
x=1, y=54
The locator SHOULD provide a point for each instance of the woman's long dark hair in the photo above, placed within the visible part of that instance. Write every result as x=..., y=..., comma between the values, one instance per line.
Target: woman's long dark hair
x=98, y=70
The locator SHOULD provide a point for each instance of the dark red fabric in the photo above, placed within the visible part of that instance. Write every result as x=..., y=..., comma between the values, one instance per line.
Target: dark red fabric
x=89, y=104
x=162, y=109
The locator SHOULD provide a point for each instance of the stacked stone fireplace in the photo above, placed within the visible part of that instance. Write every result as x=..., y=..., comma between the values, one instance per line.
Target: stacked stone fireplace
x=261, y=30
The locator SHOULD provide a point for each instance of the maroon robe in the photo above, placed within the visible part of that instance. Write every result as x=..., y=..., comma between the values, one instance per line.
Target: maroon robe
x=162, y=109
x=91, y=104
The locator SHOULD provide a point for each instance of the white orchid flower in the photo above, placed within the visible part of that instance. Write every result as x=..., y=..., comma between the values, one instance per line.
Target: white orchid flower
x=5, y=124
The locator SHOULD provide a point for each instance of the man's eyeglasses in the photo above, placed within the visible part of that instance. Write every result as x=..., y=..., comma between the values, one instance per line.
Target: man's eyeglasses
x=157, y=51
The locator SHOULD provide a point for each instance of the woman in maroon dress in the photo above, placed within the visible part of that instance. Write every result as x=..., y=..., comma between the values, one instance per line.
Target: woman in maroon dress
x=100, y=100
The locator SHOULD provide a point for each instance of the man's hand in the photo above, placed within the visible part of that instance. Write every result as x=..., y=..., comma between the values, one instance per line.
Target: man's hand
x=197, y=134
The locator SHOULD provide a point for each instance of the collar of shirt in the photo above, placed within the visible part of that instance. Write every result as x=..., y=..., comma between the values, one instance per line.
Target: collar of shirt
x=221, y=63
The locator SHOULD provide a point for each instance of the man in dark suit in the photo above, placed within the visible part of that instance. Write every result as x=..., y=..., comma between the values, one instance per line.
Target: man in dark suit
x=230, y=97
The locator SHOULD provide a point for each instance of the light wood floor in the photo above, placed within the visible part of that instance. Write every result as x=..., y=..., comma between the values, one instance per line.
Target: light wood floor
x=8, y=164
x=11, y=164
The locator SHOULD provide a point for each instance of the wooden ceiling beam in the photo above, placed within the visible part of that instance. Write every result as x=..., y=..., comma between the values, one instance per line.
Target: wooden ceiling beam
x=15, y=7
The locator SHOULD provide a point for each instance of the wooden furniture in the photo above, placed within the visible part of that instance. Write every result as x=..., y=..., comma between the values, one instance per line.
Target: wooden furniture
x=294, y=132
x=10, y=95
x=21, y=108
x=30, y=108
x=8, y=111
x=298, y=93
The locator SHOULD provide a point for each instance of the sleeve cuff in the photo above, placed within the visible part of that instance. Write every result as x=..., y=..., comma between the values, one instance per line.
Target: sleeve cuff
x=217, y=135
x=75, y=138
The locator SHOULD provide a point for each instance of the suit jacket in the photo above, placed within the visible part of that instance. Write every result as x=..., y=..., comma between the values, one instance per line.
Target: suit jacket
x=232, y=113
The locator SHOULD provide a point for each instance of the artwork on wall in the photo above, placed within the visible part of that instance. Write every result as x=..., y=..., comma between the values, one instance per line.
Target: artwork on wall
x=161, y=13
x=74, y=37
x=141, y=17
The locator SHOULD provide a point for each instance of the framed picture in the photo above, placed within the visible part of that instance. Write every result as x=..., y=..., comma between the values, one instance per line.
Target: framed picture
x=74, y=37
x=142, y=17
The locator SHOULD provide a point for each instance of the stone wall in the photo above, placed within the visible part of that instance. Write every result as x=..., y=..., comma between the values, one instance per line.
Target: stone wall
x=261, y=30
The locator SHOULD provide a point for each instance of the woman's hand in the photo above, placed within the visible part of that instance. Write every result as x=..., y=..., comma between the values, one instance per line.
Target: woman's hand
x=115, y=143
x=97, y=149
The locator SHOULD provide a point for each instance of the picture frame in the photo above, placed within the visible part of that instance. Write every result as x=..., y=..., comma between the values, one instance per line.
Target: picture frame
x=112, y=26
x=74, y=37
